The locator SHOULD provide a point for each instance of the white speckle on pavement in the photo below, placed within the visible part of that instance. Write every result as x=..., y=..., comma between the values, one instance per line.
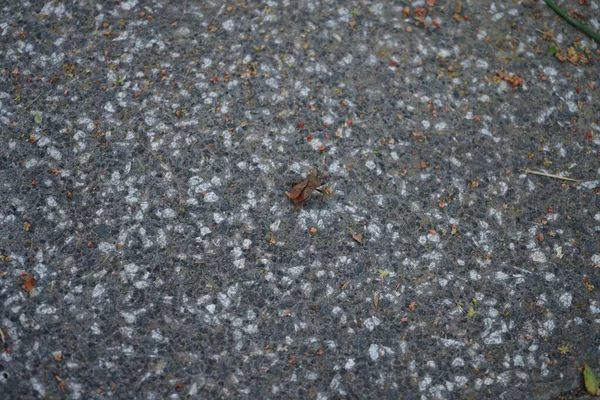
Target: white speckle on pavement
x=98, y=291
x=229, y=25
x=211, y=197
x=565, y=300
x=371, y=323
x=45, y=309
x=424, y=383
x=349, y=364
x=374, y=352
x=538, y=256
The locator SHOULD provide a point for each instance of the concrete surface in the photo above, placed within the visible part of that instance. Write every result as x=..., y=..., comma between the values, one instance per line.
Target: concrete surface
x=148, y=250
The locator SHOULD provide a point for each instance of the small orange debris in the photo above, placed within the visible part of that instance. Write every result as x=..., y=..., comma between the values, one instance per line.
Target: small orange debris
x=30, y=281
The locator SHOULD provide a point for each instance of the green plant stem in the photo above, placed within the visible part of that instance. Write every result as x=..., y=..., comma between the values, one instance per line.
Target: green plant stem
x=572, y=21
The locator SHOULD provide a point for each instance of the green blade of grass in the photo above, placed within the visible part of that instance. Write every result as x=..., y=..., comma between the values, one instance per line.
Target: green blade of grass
x=573, y=21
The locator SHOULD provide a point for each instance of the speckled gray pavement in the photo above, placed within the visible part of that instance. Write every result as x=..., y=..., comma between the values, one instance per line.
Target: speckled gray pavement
x=148, y=250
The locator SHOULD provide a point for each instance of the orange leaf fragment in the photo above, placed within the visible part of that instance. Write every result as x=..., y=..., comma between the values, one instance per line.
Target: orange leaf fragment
x=358, y=238
x=29, y=282
x=303, y=190
x=420, y=14
x=514, y=80
x=412, y=306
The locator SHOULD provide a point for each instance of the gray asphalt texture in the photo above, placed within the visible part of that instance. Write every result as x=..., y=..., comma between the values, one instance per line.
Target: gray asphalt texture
x=148, y=249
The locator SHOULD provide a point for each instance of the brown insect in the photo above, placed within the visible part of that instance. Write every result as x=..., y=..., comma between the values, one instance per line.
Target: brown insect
x=304, y=189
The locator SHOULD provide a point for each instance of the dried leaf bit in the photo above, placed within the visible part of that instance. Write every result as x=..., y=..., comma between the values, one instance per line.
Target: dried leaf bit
x=303, y=190
x=29, y=282
x=412, y=306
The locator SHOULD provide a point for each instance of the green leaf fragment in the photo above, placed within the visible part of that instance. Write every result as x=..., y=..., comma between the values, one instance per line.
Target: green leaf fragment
x=553, y=50
x=591, y=383
x=37, y=118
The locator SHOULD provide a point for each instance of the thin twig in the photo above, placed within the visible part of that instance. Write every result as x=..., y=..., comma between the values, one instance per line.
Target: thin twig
x=166, y=166
x=46, y=92
x=550, y=34
x=573, y=21
x=528, y=171
x=96, y=268
x=34, y=100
